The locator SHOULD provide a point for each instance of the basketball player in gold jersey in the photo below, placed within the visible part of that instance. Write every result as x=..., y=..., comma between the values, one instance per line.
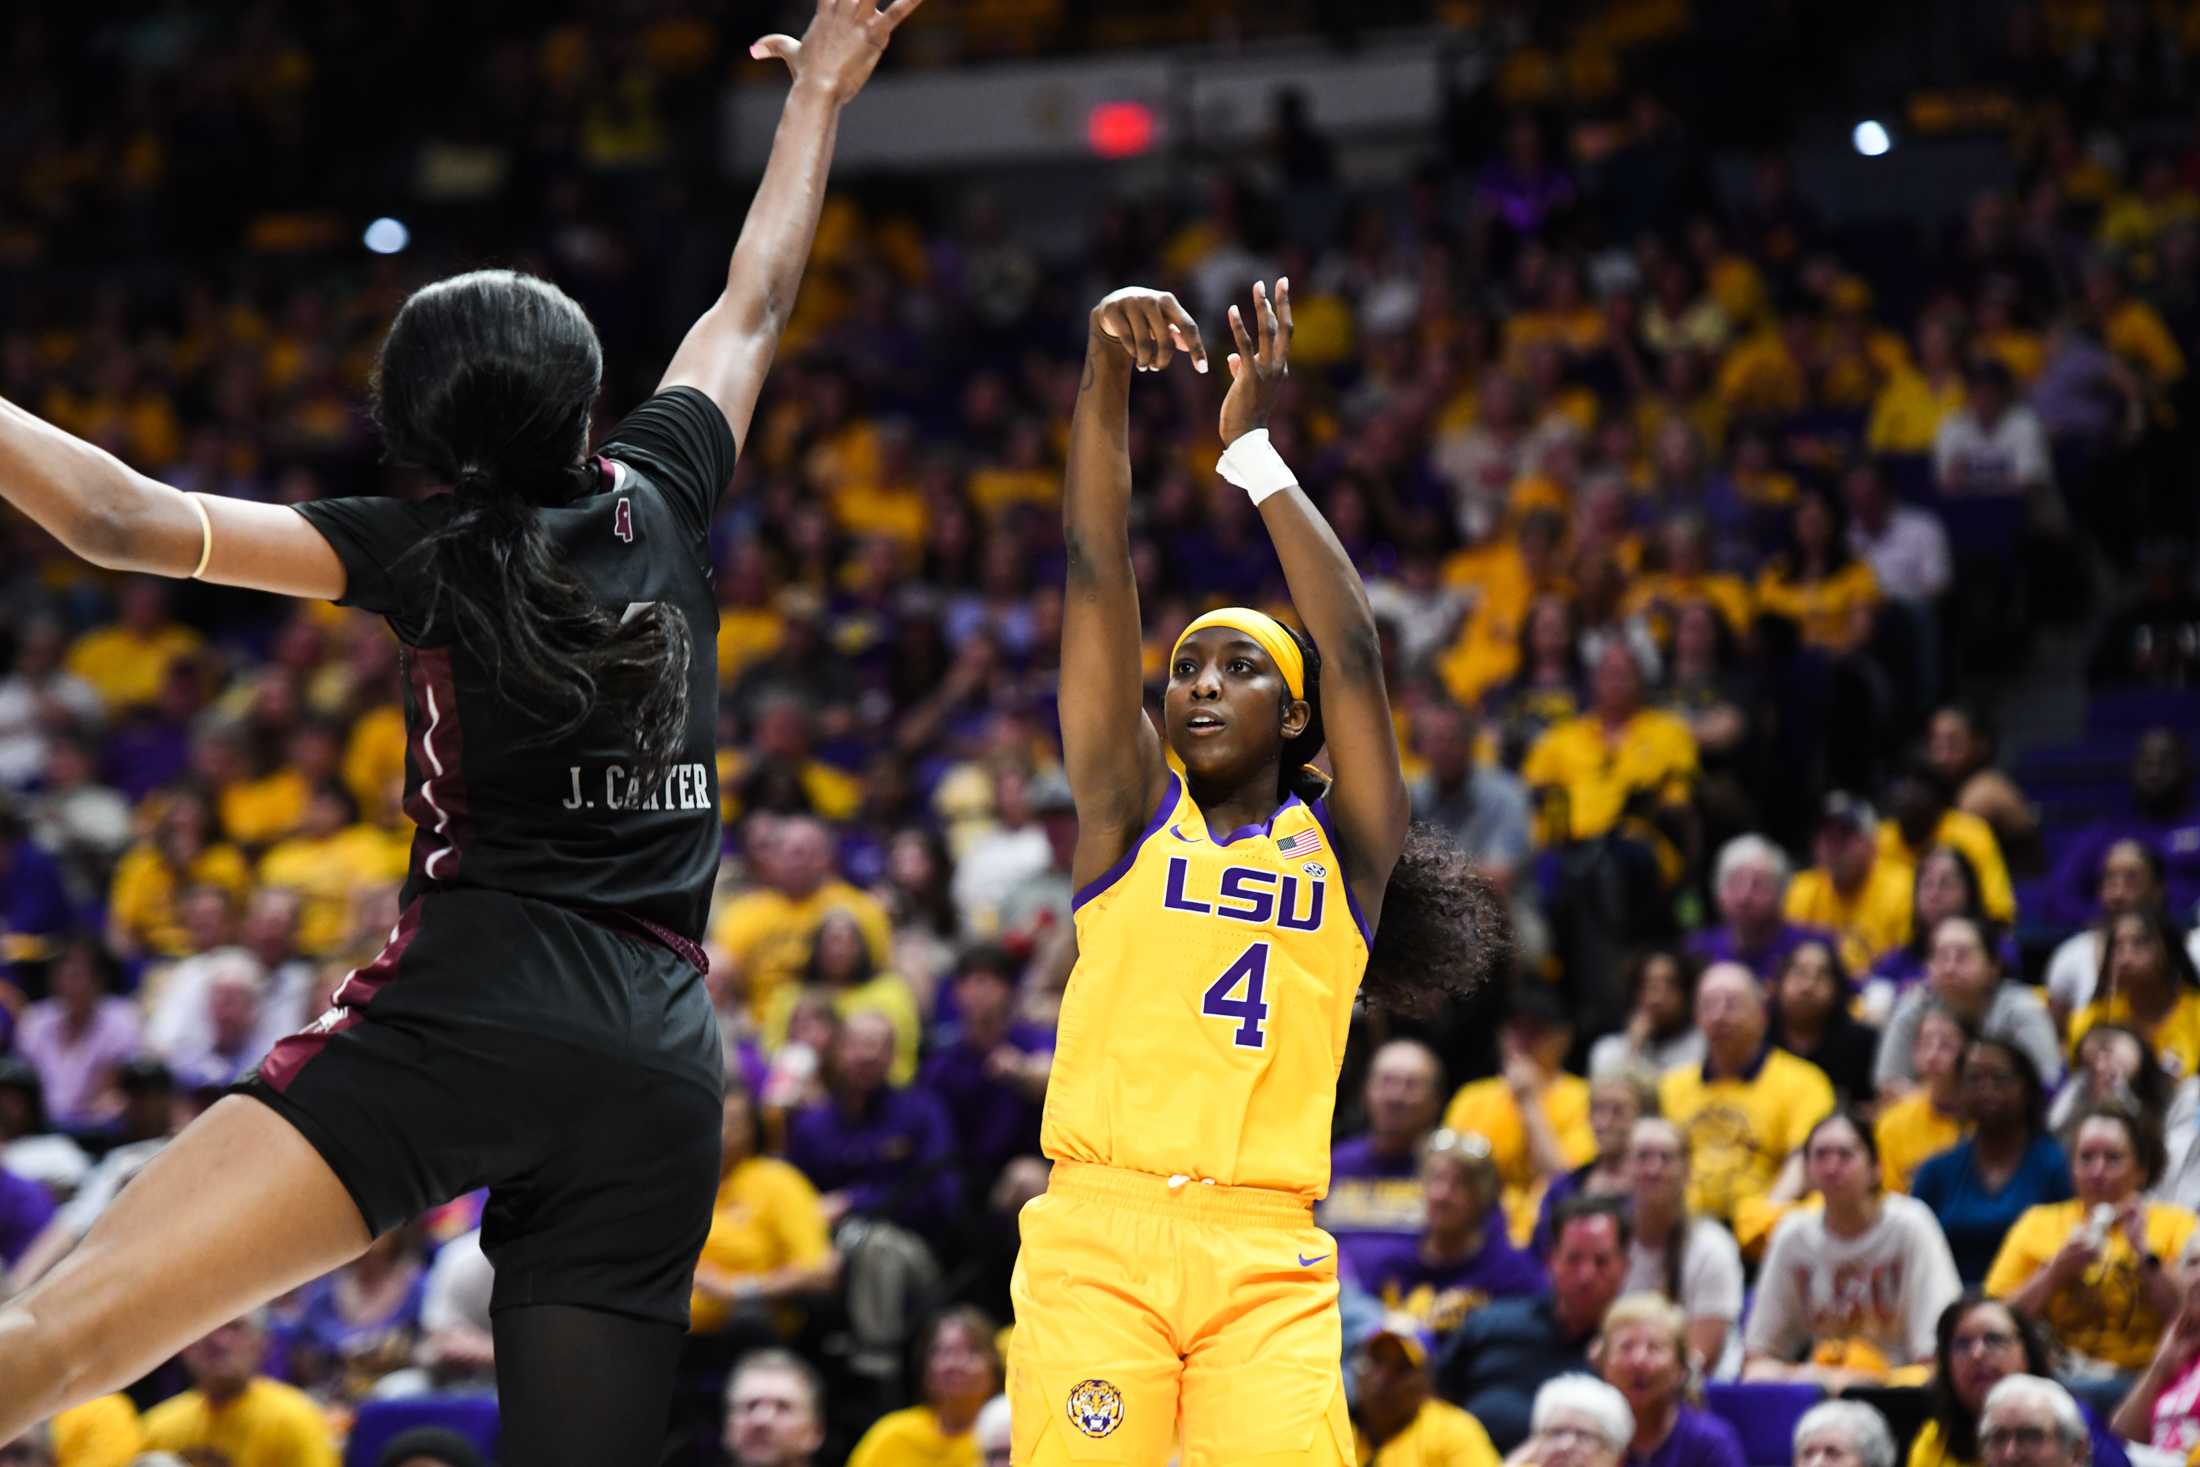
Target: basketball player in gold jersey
x=1172, y=1281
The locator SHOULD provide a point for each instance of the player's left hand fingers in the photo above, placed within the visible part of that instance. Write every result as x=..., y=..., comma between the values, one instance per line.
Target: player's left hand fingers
x=894, y=14
x=1283, y=309
x=1238, y=333
x=1266, y=310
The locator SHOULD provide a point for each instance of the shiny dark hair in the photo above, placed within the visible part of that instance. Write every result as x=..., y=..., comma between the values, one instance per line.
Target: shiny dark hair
x=2028, y=1076
x=1445, y=930
x=2177, y=965
x=1958, y=1427
x=485, y=381
x=866, y=967
x=1974, y=899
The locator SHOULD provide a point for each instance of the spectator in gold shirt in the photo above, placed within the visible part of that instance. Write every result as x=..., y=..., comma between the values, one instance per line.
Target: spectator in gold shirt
x=767, y=931
x=1617, y=758
x=126, y=661
x=1851, y=892
x=143, y=915
x=250, y=1420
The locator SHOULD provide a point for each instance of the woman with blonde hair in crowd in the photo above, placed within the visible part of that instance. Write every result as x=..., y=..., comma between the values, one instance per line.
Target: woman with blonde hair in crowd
x=1643, y=1352
x=1692, y=1261
x=1464, y=1256
x=1929, y=1119
x=1809, y=1323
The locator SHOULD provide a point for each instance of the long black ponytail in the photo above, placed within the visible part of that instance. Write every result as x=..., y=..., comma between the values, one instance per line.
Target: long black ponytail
x=485, y=381
x=1445, y=930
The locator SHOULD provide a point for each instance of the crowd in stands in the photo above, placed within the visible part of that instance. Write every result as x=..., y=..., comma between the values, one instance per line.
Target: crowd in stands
x=1838, y=1061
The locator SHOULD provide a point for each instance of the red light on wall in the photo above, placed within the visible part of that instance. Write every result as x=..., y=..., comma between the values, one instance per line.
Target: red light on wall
x=1120, y=129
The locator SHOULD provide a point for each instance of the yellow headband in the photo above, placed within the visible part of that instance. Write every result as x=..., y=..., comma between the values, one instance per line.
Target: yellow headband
x=1282, y=648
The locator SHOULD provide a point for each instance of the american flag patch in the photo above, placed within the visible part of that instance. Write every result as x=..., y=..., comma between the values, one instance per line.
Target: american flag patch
x=1305, y=843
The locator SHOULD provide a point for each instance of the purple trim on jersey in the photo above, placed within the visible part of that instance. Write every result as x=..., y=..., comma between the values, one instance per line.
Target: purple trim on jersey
x=634, y=926
x=441, y=808
x=1352, y=903
x=291, y=1053
x=1114, y=873
x=1259, y=827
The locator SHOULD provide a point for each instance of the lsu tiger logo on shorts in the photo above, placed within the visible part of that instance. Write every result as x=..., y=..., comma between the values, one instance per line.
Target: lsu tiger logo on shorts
x=1095, y=1407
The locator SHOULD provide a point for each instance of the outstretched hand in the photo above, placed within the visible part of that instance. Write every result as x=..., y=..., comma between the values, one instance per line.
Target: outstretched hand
x=1259, y=365
x=842, y=44
x=1151, y=326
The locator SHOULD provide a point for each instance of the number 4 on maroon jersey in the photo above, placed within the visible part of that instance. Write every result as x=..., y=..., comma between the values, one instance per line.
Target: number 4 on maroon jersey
x=622, y=519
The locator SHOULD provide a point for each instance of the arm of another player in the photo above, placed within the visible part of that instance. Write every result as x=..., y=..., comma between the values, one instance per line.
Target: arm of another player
x=105, y=511
x=1110, y=750
x=1369, y=801
x=728, y=350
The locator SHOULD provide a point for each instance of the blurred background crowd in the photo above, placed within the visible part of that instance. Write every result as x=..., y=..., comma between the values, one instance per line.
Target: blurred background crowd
x=1793, y=609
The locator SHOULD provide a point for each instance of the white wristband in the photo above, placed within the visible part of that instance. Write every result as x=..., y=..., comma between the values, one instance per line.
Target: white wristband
x=206, y=536
x=1253, y=464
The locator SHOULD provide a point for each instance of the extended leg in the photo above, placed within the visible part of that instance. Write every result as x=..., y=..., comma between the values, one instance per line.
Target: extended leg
x=237, y=1209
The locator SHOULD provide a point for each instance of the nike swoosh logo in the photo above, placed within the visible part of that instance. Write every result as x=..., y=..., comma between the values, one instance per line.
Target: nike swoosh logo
x=1306, y=1262
x=1190, y=840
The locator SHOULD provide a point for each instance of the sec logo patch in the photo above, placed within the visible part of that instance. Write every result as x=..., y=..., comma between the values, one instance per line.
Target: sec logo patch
x=1095, y=1407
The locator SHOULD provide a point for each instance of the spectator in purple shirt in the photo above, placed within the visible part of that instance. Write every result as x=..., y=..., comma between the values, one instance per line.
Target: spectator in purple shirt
x=1375, y=1177
x=152, y=748
x=1643, y=1352
x=78, y=1038
x=1462, y=1259
x=34, y=905
x=25, y=1209
x=2163, y=814
x=1747, y=883
x=871, y=1149
x=990, y=1076
x=1523, y=189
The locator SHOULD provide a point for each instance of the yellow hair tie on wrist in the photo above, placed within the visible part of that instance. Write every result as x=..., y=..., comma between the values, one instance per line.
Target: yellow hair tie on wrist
x=1270, y=635
x=206, y=537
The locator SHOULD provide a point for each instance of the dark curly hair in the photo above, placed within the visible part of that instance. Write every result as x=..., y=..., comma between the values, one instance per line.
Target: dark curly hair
x=1958, y=1426
x=1445, y=930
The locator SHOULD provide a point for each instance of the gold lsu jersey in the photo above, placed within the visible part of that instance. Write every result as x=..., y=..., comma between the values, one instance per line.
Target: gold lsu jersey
x=1204, y=1024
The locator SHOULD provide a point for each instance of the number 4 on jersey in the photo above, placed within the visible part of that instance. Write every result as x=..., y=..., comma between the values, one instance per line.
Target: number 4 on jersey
x=1251, y=1013
x=622, y=519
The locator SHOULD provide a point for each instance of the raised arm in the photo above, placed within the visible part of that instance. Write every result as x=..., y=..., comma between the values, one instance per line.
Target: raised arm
x=102, y=509
x=1369, y=803
x=1113, y=756
x=729, y=348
